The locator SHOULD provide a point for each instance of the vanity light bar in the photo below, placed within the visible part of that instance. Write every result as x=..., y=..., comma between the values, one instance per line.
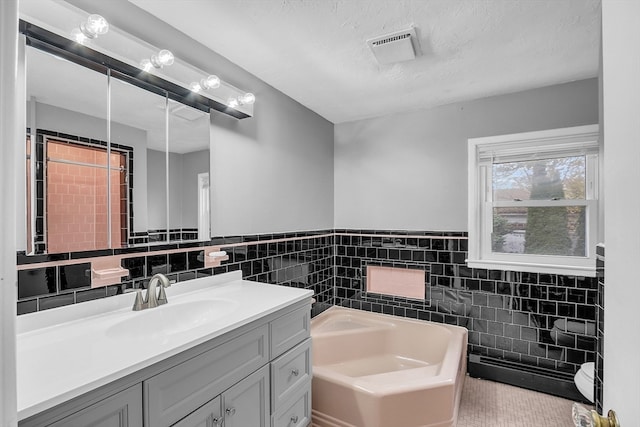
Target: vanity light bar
x=159, y=60
x=162, y=58
x=246, y=99
x=210, y=82
x=70, y=50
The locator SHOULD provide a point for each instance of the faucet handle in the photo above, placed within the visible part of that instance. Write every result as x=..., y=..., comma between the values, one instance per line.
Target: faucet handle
x=138, y=304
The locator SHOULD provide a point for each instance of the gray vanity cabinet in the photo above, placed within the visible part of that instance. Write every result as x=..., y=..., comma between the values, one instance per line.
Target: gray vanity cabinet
x=244, y=404
x=123, y=409
x=258, y=375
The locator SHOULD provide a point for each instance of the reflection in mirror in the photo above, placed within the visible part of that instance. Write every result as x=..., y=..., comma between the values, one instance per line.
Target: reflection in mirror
x=66, y=164
x=188, y=173
x=138, y=124
x=86, y=123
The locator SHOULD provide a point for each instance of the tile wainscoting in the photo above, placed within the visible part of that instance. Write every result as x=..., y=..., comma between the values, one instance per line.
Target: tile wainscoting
x=301, y=259
x=541, y=325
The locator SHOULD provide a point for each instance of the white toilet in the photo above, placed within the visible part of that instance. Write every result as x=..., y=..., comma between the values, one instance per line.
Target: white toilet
x=584, y=380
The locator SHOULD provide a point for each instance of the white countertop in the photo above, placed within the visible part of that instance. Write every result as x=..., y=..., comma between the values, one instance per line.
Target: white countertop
x=65, y=352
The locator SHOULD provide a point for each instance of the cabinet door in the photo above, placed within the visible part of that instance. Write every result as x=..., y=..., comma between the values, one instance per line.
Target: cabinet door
x=177, y=392
x=208, y=415
x=246, y=404
x=120, y=410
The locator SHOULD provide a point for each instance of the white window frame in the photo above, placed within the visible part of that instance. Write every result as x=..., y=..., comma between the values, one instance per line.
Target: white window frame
x=579, y=140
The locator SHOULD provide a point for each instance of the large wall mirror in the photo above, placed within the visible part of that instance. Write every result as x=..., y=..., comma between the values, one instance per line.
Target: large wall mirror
x=111, y=161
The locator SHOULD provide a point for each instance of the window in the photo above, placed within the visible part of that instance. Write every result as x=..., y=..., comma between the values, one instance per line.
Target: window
x=533, y=201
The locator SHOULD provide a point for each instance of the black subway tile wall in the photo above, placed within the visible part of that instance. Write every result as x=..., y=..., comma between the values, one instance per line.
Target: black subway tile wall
x=56, y=301
x=302, y=263
x=599, y=363
x=36, y=282
x=178, y=261
x=74, y=276
x=136, y=266
x=157, y=264
x=195, y=260
x=542, y=320
x=292, y=259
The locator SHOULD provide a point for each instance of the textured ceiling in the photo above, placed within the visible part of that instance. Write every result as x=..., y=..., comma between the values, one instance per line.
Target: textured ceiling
x=315, y=51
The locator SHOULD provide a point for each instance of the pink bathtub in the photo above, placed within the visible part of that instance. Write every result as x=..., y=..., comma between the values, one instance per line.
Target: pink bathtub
x=375, y=370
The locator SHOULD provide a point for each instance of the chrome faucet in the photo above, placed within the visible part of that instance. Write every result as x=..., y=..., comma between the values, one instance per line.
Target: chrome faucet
x=152, y=298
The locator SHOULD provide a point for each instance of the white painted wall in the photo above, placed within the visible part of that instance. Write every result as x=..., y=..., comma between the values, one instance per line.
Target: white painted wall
x=12, y=124
x=156, y=190
x=274, y=172
x=621, y=113
x=183, y=188
x=176, y=186
x=194, y=163
x=270, y=173
x=409, y=171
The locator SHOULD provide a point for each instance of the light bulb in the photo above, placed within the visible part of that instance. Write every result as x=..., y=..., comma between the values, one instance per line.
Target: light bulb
x=94, y=26
x=233, y=102
x=78, y=36
x=162, y=58
x=195, y=87
x=248, y=98
x=210, y=82
x=97, y=25
x=146, y=65
x=165, y=57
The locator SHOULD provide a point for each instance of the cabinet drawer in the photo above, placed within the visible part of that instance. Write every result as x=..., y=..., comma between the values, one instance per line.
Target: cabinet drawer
x=290, y=372
x=295, y=412
x=178, y=391
x=289, y=330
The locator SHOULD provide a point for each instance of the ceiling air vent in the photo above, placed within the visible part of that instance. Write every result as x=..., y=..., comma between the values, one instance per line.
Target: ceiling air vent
x=395, y=47
x=186, y=113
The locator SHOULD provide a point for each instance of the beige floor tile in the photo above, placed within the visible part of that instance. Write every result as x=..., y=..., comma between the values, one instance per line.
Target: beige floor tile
x=491, y=404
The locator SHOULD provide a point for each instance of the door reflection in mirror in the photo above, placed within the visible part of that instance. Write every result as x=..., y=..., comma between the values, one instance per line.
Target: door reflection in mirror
x=76, y=212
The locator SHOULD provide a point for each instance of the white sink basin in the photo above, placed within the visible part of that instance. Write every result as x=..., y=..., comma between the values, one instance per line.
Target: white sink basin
x=160, y=323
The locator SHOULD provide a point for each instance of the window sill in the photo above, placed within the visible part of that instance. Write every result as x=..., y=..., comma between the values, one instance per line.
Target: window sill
x=567, y=270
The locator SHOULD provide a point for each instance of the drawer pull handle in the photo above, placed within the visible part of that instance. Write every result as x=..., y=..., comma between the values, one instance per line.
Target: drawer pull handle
x=295, y=372
x=294, y=419
x=230, y=411
x=217, y=422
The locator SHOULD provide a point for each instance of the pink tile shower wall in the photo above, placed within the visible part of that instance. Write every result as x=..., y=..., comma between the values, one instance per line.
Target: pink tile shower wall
x=77, y=199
